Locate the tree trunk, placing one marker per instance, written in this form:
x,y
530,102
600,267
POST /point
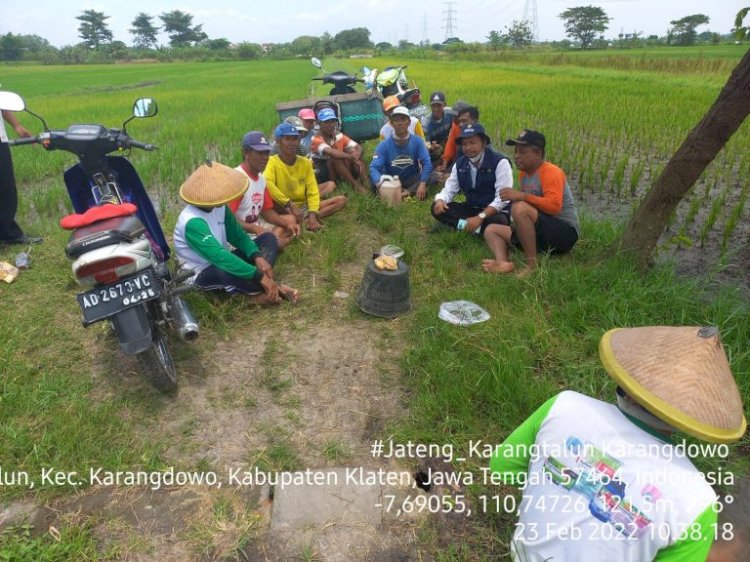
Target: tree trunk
x,y
684,168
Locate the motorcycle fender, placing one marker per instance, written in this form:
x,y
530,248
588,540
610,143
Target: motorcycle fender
x,y
133,329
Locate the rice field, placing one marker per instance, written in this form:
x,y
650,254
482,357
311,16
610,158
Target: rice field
x,y
611,129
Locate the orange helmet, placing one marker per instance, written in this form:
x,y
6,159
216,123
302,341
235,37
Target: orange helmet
x,y
390,102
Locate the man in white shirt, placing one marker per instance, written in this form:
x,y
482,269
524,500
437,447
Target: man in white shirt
x,y
480,173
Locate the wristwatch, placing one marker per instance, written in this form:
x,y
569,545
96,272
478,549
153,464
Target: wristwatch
x,y
482,215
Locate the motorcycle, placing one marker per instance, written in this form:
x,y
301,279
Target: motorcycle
x,y
117,245
392,82
343,82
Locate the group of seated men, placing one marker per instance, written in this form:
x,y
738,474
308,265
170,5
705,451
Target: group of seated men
x,y
260,206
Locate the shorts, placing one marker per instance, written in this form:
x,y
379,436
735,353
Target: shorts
x,y
320,167
553,235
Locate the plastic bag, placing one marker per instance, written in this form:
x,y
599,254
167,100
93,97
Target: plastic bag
x,y
462,313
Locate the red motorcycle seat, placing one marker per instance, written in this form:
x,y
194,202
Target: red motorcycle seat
x,y
95,214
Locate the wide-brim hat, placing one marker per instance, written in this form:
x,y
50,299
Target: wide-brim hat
x,y
213,184
679,374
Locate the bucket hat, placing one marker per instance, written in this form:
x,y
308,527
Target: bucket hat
x,y
213,184
473,130
679,374
297,122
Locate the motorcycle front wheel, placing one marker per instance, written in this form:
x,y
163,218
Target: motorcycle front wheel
x,y
157,364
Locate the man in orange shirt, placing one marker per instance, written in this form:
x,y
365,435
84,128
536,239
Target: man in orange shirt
x,y
543,209
339,155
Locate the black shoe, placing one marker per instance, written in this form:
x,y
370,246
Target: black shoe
x,y
22,240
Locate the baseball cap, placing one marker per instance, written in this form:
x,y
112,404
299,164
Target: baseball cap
x,y
400,110
326,114
255,140
528,137
306,113
472,130
437,97
286,130
297,122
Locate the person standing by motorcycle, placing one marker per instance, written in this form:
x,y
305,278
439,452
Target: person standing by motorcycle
x,y
255,209
205,229
437,125
292,182
389,104
404,155
338,155
10,232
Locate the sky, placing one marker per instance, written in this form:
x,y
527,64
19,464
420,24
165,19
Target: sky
x,y
388,20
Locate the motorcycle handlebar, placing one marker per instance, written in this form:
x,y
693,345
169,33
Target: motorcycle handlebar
x,y
22,141
142,146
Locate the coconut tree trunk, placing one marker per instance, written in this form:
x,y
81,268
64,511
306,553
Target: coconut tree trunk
x,y
684,168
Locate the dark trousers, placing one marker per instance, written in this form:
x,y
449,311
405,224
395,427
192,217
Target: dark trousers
x,y
9,229
458,211
213,278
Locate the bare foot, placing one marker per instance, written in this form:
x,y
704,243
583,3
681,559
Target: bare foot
x,y
262,299
526,271
292,295
494,266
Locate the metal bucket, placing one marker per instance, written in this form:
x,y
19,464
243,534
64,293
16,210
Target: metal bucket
x,y
385,293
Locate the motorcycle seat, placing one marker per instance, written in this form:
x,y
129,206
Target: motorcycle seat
x,y
94,214
103,233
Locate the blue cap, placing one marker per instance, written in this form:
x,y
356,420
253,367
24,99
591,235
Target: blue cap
x,y
286,130
255,140
326,114
472,130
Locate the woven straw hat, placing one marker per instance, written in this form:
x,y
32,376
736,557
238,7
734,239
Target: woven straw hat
x,y
213,184
679,374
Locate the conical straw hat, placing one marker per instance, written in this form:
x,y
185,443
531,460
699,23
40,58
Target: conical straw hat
x,y
213,184
679,374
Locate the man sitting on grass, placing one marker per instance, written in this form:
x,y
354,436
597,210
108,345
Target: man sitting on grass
x,y
292,183
255,209
543,209
404,155
338,156
205,229
480,173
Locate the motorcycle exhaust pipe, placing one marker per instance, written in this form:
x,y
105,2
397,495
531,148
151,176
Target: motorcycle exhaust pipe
x,y
184,320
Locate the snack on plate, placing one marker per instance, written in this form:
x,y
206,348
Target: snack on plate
x,y
8,273
386,262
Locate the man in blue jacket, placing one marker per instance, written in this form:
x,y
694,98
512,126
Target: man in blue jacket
x,y
403,155
480,173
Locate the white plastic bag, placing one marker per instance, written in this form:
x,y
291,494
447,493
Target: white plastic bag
x,y
462,313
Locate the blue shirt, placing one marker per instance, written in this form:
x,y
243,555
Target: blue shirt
x,y
404,161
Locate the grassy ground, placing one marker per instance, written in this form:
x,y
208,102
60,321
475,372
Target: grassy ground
x,y
63,405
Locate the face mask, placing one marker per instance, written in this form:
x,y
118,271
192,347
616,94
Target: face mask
x,y
475,160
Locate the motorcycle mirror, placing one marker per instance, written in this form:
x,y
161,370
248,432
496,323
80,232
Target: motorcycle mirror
x,y
145,107
315,61
10,101
365,70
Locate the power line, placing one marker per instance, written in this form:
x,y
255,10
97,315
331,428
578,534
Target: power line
x,y
450,15
532,20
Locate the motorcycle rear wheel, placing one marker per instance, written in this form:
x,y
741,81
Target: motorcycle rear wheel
x,y
157,364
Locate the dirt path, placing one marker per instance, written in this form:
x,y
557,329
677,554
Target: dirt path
x,y
292,389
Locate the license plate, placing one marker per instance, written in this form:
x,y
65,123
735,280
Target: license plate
x,y
103,302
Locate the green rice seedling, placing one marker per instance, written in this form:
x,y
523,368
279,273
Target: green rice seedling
x,y
619,174
713,214
734,218
635,176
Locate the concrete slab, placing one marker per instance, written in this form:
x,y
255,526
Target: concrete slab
x,y
309,502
